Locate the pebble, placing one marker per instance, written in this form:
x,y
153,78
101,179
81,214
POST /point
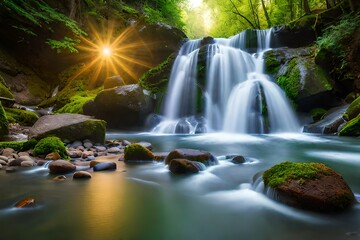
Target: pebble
x,y
88,143
114,150
90,158
23,154
53,156
10,169
81,175
76,144
4,158
28,163
125,142
100,148
86,154
75,154
59,178
2,162
26,202
105,166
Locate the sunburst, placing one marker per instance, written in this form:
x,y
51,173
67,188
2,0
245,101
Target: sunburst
x,y
106,55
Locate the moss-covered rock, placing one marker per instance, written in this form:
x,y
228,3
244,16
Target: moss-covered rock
x,y
193,155
5,90
184,166
76,104
136,152
353,110
70,127
4,124
311,186
352,128
23,117
156,79
317,113
49,145
20,145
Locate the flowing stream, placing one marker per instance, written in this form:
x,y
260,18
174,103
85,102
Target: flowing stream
x,y
234,95
148,202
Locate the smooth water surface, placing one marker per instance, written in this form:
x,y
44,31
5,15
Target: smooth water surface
x,y
148,202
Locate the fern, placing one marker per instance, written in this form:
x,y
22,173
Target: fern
x,y
66,44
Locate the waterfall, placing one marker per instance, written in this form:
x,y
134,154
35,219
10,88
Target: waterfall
x,y
234,95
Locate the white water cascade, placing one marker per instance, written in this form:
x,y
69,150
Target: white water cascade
x,y
236,95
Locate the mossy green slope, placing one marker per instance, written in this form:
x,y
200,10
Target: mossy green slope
x,y
50,144
23,117
353,110
285,171
4,89
4,124
352,128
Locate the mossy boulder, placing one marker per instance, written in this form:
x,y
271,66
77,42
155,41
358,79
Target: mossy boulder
x,y
136,152
69,127
4,124
317,113
352,128
353,110
50,145
193,155
5,93
21,116
76,104
311,186
184,166
124,107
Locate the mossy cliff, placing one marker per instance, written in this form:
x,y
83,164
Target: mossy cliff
x,y
4,130
23,117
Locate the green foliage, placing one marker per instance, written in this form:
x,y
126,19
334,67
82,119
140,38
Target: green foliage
x,y
272,64
286,171
335,36
4,89
19,146
156,79
4,124
30,144
66,44
50,144
137,152
23,117
352,128
353,110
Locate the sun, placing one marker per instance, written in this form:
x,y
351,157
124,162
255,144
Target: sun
x,y
106,54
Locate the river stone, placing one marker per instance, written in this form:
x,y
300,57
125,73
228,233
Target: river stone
x,y
4,158
61,166
81,175
146,144
184,166
194,155
59,178
28,163
10,169
76,144
75,153
238,159
327,192
16,162
3,162
1,166
122,107
26,202
7,152
100,148
53,156
105,166
113,81
23,154
69,127
87,143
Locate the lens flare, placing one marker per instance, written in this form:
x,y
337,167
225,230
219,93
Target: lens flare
x,y
106,53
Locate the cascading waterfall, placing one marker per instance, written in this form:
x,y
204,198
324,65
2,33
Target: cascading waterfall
x,y
236,95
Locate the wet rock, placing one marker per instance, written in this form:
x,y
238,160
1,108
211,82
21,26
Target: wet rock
x,y
2,162
41,162
182,127
16,162
100,148
23,154
53,156
114,150
28,163
311,186
88,144
10,169
136,152
59,178
184,166
146,144
25,203
76,144
113,81
1,166
81,175
61,166
105,166
7,152
90,158
125,143
68,126
75,153
4,158
238,159
87,154
192,154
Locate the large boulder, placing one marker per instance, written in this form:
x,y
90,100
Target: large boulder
x,y
124,107
69,127
304,82
193,155
311,186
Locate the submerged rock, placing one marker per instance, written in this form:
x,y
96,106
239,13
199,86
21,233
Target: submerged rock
x,y
10,169
26,202
238,159
184,166
105,166
311,186
69,127
193,155
81,175
61,166
59,178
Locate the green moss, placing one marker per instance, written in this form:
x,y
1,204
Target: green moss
x,y
4,89
317,113
23,117
353,110
76,104
137,152
17,146
307,21
272,64
50,144
4,124
286,171
352,128
156,79
290,81
30,144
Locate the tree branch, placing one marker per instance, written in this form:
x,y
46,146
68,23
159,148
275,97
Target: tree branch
x,y
237,12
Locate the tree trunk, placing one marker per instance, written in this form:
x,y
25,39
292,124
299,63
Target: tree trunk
x,y
291,9
266,14
306,7
352,8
